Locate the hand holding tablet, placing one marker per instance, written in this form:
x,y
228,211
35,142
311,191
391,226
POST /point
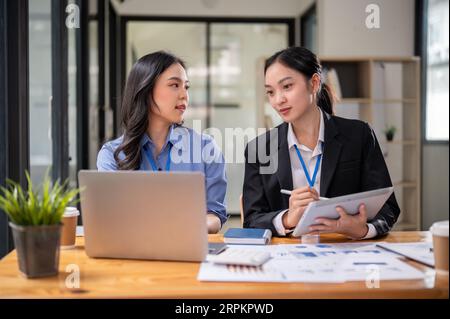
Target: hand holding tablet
x,y
373,201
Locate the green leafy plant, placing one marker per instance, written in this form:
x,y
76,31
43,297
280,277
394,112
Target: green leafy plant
x,y
36,206
390,132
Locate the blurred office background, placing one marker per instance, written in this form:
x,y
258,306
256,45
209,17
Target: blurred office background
x,y
61,86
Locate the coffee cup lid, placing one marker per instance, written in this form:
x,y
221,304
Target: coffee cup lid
x,y
440,229
71,212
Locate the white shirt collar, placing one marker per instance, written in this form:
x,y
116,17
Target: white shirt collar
x,y
292,139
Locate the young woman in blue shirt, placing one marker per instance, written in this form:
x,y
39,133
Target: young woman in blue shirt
x,y
154,102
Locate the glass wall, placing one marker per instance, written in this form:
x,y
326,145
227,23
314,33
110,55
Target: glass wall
x,y
187,40
40,89
238,52
437,71
93,94
72,103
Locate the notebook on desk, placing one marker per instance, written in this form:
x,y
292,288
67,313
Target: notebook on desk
x,y
250,236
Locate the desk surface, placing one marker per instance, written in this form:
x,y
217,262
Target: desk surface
x,y
108,278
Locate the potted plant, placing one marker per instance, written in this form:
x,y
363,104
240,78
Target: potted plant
x,y
35,219
390,132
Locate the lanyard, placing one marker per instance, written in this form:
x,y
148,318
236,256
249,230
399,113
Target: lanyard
x,y
308,178
149,155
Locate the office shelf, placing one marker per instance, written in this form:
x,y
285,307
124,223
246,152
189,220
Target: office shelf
x,y
394,101
353,101
402,142
385,91
406,184
405,226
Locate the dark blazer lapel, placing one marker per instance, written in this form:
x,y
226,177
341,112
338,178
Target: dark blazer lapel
x,y
284,172
331,153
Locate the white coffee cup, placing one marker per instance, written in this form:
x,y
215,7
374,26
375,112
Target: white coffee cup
x,y
439,231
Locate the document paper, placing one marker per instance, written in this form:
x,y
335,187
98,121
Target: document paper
x,y
316,263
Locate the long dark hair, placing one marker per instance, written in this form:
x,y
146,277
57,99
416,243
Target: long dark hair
x,y
137,99
304,61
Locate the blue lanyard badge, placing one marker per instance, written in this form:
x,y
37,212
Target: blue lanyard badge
x,y
308,178
149,155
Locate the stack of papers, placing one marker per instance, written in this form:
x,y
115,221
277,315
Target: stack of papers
x,y
320,263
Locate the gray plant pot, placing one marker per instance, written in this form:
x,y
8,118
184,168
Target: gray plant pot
x,y
389,136
37,249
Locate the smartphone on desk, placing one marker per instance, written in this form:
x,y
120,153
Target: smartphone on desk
x,y
216,248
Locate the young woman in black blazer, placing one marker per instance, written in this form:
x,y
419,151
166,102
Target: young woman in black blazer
x,y
316,153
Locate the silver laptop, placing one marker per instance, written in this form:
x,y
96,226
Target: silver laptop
x,y
144,215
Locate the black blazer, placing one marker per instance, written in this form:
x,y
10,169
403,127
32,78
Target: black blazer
x,y
352,162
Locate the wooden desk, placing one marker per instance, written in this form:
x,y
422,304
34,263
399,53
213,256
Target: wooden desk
x,y
108,278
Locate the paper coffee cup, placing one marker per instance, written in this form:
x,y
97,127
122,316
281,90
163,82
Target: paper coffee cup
x,y
68,232
310,239
439,231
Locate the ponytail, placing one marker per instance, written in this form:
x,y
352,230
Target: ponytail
x,y
326,99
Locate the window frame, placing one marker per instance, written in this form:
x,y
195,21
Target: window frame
x,y
14,98
421,49
14,103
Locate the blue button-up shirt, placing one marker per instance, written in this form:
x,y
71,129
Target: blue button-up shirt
x,y
189,151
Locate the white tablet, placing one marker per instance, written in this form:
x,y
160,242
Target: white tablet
x,y
373,200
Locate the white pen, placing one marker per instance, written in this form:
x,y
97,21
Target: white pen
x,y
286,192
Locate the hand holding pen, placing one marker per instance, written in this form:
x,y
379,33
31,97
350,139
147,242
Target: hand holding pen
x,y
298,201
287,192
